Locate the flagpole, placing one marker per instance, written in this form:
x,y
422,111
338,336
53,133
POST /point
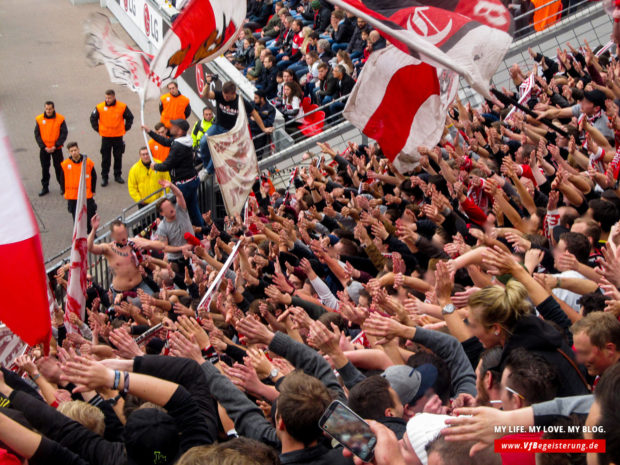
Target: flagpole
x,y
146,141
408,42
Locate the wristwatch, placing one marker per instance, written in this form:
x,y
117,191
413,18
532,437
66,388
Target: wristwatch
x,y
274,372
448,309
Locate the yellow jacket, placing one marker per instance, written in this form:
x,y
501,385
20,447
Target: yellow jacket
x,y
143,181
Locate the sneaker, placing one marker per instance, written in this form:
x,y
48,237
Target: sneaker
x,y
119,179
44,191
202,175
104,182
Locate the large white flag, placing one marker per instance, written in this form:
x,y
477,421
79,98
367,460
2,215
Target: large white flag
x,y
401,103
76,286
126,66
234,159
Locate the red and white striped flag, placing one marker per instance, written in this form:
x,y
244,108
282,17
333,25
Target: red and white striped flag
x,y
401,103
24,307
76,286
469,37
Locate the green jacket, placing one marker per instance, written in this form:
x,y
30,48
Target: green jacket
x,y
200,129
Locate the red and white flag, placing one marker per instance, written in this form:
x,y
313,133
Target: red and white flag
x,y
24,307
202,32
469,37
401,103
76,286
234,159
126,66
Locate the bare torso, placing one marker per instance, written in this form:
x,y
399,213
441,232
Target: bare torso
x,y
122,261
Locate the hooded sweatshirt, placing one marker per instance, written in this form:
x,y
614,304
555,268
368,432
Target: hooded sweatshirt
x,y
180,161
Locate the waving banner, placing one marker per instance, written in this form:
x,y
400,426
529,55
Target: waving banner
x,y
76,286
234,159
126,66
469,37
24,308
203,31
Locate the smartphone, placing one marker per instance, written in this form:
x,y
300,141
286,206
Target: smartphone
x,y
346,427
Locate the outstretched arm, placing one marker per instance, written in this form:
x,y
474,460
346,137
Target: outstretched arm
x,y
97,249
176,191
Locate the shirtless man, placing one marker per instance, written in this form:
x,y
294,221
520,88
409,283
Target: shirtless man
x,y
122,257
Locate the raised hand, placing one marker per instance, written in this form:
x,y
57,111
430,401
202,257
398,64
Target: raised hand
x,y
126,345
188,326
180,346
254,331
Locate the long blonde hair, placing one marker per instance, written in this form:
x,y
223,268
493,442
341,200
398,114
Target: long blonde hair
x,y
498,305
307,30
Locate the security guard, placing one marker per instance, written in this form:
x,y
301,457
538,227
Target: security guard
x,y
143,180
160,152
50,132
111,119
70,181
173,105
201,127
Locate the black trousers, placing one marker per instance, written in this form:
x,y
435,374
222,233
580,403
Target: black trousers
x,y
91,209
46,160
111,145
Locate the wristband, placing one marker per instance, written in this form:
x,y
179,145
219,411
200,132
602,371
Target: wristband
x,y
125,384
35,377
117,378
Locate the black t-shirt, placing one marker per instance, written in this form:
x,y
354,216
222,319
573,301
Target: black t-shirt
x,y
227,111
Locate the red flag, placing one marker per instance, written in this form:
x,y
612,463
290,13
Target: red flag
x,y
401,103
202,32
469,37
24,307
76,286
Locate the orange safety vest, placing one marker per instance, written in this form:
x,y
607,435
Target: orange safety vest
x,y
547,15
72,171
50,128
173,108
159,152
111,121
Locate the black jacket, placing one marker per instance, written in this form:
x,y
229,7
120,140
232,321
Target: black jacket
x,y
180,161
344,86
268,83
322,19
328,86
196,427
357,44
344,32
539,337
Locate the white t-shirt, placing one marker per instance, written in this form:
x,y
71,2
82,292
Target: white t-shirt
x,y
567,296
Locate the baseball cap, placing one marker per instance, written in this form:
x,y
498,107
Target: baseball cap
x,y
423,429
597,97
181,124
411,383
151,438
353,290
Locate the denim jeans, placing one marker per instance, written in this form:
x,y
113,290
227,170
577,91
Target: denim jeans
x,y
190,194
205,153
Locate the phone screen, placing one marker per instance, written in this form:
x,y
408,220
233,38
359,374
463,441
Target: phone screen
x,y
342,424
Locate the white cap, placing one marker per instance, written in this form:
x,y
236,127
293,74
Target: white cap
x,y
422,429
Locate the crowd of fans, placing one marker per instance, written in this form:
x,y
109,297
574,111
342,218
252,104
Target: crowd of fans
x,y
480,290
